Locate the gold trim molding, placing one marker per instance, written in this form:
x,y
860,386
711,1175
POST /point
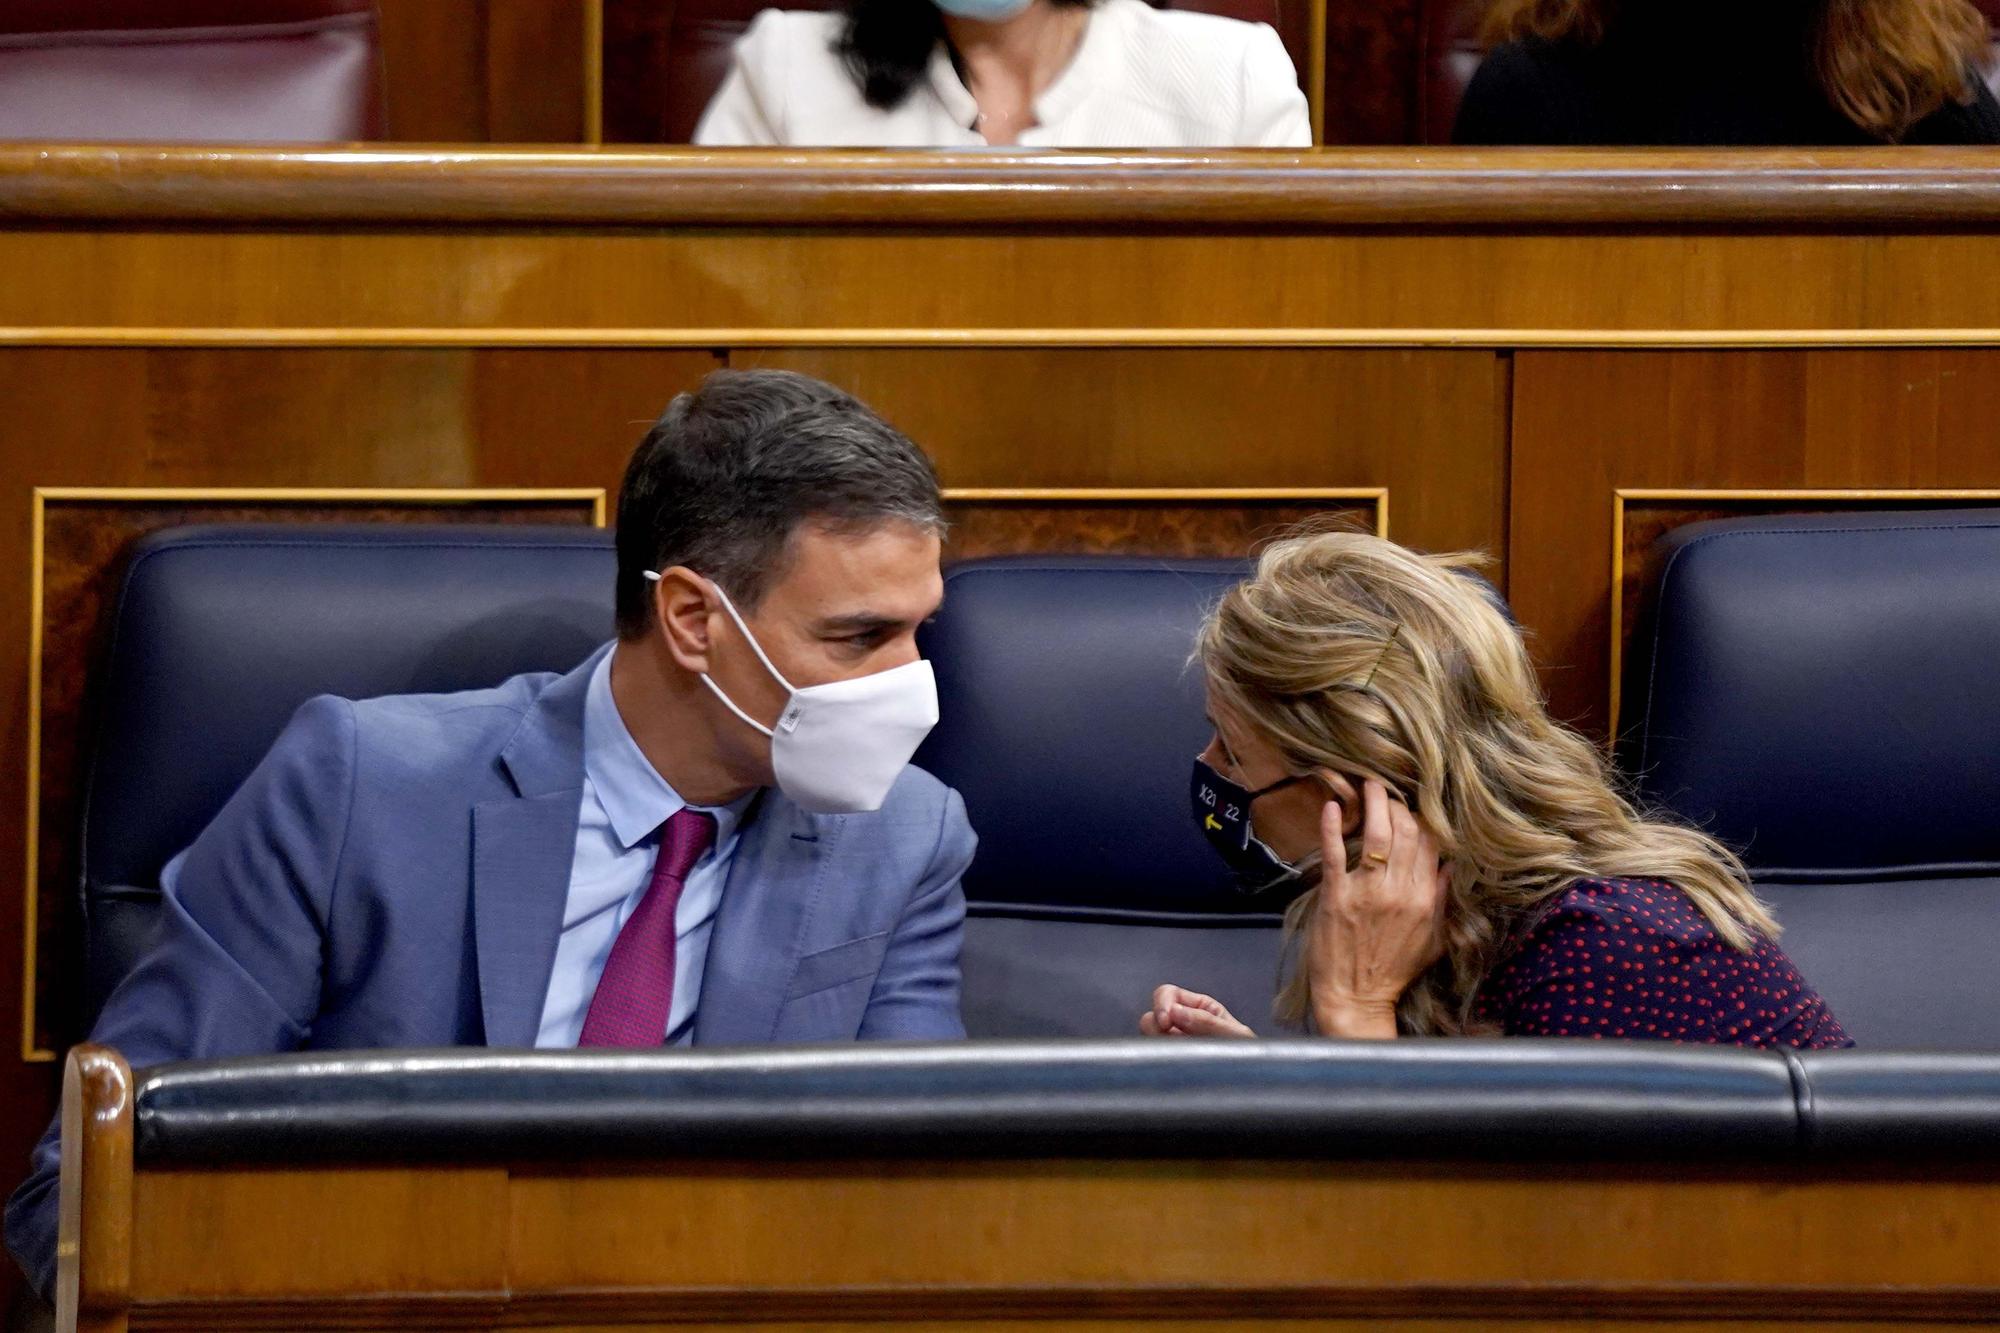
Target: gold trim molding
x,y
1621,498
713,339
1378,496
593,72
595,496
1315,70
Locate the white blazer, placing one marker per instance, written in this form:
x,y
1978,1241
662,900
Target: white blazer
x,y
1141,78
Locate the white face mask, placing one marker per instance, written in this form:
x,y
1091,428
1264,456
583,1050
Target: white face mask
x,y
838,748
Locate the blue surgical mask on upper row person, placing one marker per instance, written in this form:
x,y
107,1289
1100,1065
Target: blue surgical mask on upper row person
x,y
985,11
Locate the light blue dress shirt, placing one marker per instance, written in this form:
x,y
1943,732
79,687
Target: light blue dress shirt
x,y
625,800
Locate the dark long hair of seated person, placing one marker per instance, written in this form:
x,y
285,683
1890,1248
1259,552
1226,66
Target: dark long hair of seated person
x,y
1731,72
888,44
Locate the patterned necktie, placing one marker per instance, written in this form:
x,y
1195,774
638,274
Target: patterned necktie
x,y
635,996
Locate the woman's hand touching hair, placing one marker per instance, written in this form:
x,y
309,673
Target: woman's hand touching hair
x,y
1376,928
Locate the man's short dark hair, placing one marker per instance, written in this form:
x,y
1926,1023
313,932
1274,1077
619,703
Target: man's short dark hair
x,y
730,471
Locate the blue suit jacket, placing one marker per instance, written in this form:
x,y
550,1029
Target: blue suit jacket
x,y
394,873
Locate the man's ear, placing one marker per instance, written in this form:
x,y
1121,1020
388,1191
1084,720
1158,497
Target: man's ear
x,y
681,610
1342,789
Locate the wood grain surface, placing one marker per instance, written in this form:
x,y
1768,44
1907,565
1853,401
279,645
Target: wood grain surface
x,y
1784,423
1068,1244
1910,189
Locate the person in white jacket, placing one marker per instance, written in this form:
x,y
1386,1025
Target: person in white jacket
x,y
1030,73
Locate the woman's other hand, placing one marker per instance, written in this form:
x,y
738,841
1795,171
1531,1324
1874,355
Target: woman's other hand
x,y
1185,1013
1377,928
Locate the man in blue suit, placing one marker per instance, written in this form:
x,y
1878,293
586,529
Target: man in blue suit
x,y
706,833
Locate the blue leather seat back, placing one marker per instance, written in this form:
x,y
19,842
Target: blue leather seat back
x,y
222,631
1819,692
1071,719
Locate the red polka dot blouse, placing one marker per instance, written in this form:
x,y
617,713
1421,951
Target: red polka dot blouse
x,y
1636,958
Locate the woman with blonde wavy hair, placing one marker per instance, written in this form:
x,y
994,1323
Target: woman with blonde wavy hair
x,y
1771,72
1380,735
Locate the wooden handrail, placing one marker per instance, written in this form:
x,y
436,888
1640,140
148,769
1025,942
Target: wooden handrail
x,y
1889,188
94,1245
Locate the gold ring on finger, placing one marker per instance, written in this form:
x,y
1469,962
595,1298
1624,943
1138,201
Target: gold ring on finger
x,y
1375,858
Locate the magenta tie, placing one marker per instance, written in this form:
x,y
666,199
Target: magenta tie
x,y
635,996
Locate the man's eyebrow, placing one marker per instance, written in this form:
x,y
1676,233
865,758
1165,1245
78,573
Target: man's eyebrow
x,y
858,622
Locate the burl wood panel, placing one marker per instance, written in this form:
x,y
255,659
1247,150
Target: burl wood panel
x,y
86,547
484,71
1163,527
1428,425
1587,424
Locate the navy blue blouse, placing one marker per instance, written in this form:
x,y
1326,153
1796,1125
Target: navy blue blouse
x,y
1636,958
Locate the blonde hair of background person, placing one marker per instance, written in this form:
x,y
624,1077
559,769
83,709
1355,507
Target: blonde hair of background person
x,y
1884,64
1401,689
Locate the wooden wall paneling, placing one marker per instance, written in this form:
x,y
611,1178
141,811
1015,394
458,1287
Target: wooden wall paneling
x,y
815,1244
330,416
488,71
1372,50
1421,1228
1429,426
1589,424
1168,523
364,1228
729,287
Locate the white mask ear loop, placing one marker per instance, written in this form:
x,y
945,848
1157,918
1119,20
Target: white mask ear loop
x,y
653,576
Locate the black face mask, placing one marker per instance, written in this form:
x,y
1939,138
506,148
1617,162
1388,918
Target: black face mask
x,y
1222,808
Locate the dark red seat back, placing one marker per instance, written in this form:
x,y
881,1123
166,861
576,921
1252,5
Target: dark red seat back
x,y
1450,51
245,71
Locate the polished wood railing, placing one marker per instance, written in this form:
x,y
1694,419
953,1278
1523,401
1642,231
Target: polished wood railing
x,y
1183,1235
